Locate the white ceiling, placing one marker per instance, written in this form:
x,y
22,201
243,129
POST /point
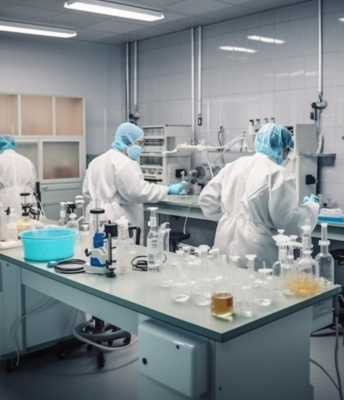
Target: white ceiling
x,y
179,15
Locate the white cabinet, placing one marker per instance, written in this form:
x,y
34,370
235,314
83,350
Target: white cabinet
x,y
50,131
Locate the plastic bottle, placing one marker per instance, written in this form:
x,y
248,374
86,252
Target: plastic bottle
x,y
153,243
11,227
325,261
122,250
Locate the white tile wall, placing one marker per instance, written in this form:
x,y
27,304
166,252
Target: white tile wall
x,y
278,80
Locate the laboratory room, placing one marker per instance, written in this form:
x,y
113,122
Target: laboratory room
x,y
171,199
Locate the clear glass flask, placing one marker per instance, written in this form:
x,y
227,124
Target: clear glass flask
x,y
278,268
325,261
234,278
221,296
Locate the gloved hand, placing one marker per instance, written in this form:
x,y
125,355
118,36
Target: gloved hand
x,y
176,188
313,197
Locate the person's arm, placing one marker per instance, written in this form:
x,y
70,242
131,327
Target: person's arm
x,y
134,189
210,197
285,212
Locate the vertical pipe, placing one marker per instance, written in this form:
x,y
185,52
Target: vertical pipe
x,y
199,116
135,77
193,85
320,76
127,81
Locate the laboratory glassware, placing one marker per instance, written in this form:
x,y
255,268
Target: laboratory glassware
x,y
153,243
263,287
305,281
202,287
221,296
122,249
325,261
72,222
166,267
234,278
11,227
279,266
247,287
180,285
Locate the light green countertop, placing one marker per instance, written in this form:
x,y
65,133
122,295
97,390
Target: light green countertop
x,y
140,292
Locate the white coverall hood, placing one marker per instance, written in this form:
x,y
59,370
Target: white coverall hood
x,y
252,198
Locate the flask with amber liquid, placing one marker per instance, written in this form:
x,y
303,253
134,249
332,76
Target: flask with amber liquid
x,y
221,296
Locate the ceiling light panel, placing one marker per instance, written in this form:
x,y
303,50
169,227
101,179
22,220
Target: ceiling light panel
x,y
114,10
266,39
30,29
238,49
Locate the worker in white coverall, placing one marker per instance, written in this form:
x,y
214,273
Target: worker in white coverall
x,y
17,175
254,196
116,181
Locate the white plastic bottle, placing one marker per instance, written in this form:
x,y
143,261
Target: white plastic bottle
x,y
11,227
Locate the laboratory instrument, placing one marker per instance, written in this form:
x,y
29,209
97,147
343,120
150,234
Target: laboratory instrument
x,y
158,167
325,261
221,296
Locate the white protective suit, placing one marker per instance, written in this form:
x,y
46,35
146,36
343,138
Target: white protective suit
x,y
17,175
121,189
252,198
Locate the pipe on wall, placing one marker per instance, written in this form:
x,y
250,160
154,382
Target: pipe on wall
x,y
127,97
136,107
199,114
193,84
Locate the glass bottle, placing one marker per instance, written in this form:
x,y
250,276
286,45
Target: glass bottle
x,y
153,243
122,249
180,285
325,261
306,281
202,288
263,287
221,296
278,268
234,278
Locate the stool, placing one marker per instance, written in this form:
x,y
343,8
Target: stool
x,y
177,237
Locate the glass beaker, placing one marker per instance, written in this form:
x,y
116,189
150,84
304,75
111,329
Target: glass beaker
x,y
263,287
246,299
202,287
221,296
180,285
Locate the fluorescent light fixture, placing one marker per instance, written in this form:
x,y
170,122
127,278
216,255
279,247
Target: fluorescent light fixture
x,y
341,19
29,29
114,9
266,39
240,49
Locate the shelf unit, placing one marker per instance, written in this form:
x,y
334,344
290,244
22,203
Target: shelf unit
x,y
50,131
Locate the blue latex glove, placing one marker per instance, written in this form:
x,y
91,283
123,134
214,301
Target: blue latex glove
x,y
305,199
314,198
176,188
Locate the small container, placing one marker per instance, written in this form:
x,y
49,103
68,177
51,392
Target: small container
x,y
263,287
221,296
180,286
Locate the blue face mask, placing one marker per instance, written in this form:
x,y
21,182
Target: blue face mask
x,y
134,152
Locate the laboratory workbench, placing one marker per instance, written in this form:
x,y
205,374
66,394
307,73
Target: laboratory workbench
x,y
187,206
274,343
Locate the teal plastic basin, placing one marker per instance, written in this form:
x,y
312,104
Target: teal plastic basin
x,y
50,244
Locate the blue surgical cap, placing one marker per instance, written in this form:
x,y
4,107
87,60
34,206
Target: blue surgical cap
x,y
272,139
7,142
126,135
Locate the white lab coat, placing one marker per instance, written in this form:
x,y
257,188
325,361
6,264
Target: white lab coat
x,y
121,189
17,175
252,198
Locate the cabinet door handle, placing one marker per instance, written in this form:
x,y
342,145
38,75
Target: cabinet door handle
x,y
45,187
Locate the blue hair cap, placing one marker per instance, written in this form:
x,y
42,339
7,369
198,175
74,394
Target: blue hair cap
x,y
7,142
126,135
272,139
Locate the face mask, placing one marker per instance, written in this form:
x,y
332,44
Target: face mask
x,y
134,152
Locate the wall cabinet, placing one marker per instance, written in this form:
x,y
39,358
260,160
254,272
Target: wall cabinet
x,y
50,131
